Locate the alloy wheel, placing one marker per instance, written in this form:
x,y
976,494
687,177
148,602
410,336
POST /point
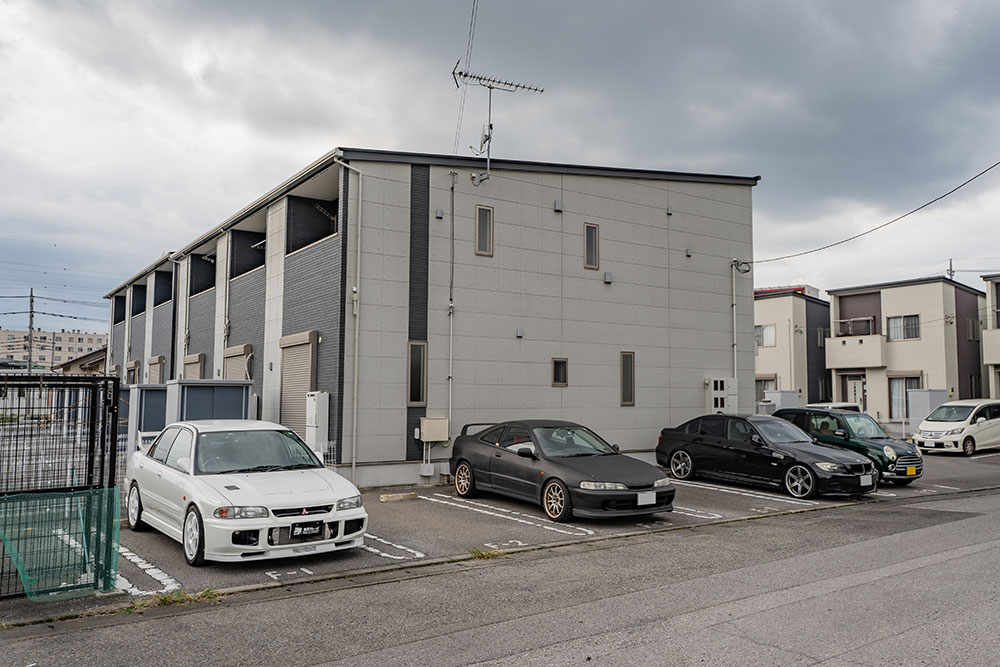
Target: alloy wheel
x,y
555,500
133,506
463,479
192,536
680,464
799,481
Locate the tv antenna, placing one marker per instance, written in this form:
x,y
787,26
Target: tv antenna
x,y
491,84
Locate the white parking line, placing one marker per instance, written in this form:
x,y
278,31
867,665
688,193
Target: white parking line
x,y
884,494
502,513
414,552
697,514
986,456
530,517
758,495
121,583
942,486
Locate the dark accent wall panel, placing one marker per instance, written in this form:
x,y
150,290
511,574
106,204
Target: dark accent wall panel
x,y
307,223
817,319
118,345
163,288
969,358
163,322
246,320
862,305
243,256
337,403
118,309
201,276
420,193
137,338
313,299
138,299
201,326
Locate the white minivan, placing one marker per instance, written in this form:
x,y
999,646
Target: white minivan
x,y
965,425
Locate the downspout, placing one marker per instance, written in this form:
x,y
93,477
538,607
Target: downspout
x,y
356,300
451,300
733,271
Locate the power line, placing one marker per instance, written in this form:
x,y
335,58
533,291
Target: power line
x,y
884,224
49,266
71,247
89,304
69,317
465,86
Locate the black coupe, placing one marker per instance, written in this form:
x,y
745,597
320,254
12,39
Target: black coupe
x,y
765,450
566,467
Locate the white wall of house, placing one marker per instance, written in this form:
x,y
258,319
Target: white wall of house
x,y
785,361
274,263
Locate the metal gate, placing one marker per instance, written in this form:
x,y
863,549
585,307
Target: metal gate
x,y
59,506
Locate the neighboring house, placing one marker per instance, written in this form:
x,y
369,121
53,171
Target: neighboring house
x,y
49,349
790,328
598,295
911,334
88,364
991,334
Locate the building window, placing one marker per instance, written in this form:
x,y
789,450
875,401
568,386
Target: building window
x,y
975,386
825,390
972,329
560,373
821,337
416,377
898,407
484,231
591,246
763,335
767,384
903,327
628,378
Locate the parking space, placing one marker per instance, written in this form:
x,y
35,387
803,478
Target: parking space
x,y
432,522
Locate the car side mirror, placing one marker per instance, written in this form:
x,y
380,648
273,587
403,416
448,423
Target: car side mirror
x,y
184,463
980,420
756,439
616,448
840,433
526,452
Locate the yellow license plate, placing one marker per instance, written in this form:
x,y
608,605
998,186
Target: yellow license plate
x,y
911,470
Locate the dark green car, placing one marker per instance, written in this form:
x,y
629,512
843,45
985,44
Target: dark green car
x,y
896,461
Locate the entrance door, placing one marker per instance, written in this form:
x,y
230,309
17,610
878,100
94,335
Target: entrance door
x,y
856,392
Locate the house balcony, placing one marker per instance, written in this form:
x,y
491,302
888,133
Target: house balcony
x,y
991,346
855,352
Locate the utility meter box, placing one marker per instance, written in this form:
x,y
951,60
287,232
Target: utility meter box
x,y
188,400
148,415
434,429
782,398
317,421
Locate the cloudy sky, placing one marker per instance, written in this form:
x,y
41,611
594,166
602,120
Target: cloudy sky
x,y
129,128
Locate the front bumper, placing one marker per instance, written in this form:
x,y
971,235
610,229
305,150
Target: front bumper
x,y
597,504
833,484
339,530
937,444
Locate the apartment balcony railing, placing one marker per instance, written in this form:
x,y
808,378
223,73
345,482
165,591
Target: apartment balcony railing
x,y
856,326
855,351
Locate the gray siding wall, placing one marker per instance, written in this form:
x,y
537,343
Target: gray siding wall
x,y
201,326
163,322
817,319
314,299
420,192
246,320
969,358
137,342
118,346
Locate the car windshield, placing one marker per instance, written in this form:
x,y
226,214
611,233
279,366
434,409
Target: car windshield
x,y
863,426
950,413
251,451
567,441
779,431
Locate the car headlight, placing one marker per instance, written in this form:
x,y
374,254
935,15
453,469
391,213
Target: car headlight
x,y
230,512
349,503
828,466
602,486
955,431
663,481
889,452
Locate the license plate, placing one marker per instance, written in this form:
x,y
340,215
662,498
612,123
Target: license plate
x,y
866,480
306,529
645,498
911,470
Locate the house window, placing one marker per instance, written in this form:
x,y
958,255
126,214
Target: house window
x,y
903,327
767,384
972,329
484,231
591,246
628,378
975,386
821,337
416,377
560,373
763,335
898,408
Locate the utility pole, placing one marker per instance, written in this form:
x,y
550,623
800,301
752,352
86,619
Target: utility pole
x,y
31,326
951,270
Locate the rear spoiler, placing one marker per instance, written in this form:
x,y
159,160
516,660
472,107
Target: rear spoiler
x,y
465,429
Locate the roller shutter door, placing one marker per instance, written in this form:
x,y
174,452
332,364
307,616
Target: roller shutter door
x,y
234,368
296,381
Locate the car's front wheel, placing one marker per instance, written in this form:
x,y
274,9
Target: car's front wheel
x,y
465,482
556,502
194,538
681,465
134,508
969,446
800,481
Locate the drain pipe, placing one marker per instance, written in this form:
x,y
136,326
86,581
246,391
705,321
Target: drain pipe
x,y
356,301
738,266
451,302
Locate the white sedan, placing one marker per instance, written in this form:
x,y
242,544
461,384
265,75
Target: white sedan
x,y
231,490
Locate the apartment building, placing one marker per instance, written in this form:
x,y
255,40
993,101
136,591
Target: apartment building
x,y
991,334
912,334
411,286
49,349
790,329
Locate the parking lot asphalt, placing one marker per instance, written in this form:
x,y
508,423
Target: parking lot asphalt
x,y
431,523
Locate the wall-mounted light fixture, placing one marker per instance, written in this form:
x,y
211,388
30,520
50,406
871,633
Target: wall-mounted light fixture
x,y
519,332
608,278
670,211
557,206
439,213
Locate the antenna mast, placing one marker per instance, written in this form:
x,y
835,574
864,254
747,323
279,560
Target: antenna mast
x,y
490,83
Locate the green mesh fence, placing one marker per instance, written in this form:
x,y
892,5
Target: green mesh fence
x,y
62,545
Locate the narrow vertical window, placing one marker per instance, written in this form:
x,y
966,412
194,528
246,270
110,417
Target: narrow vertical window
x,y
592,246
560,373
484,231
416,376
628,378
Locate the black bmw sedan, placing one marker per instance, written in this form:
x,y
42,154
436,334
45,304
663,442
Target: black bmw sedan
x,y
566,467
763,450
